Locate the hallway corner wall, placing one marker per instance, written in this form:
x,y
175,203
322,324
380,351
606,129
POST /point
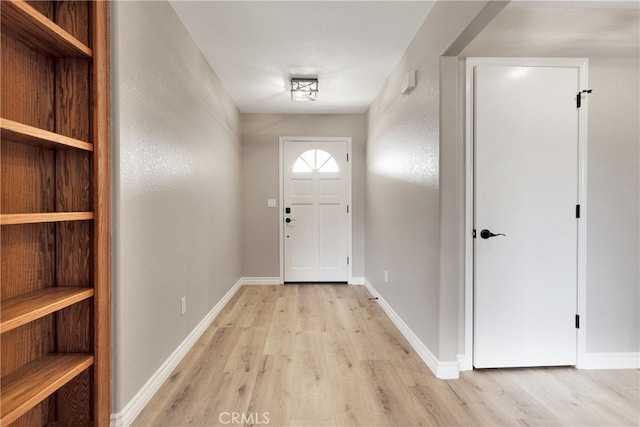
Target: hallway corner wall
x,y
406,175
176,191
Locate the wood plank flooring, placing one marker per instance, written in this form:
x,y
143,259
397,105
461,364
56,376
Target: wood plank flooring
x,y
326,355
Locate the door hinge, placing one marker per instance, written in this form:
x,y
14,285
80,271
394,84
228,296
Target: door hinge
x,y
347,157
474,233
347,208
347,260
579,97
577,321
577,211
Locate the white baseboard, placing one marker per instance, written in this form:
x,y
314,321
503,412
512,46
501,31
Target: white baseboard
x,y
260,281
464,363
442,370
276,281
590,361
132,409
610,361
356,280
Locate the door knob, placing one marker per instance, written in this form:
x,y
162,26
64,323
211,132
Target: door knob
x,y
486,234
288,220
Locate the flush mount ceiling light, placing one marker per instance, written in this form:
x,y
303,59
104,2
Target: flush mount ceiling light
x,y
304,89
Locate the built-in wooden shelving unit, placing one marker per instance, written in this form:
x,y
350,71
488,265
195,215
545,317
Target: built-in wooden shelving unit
x,y
54,211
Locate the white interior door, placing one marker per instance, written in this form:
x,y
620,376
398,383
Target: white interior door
x,y
526,187
316,187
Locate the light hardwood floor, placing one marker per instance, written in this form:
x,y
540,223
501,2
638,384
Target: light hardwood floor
x,y
326,355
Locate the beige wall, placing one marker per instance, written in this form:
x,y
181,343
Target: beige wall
x,y
260,164
610,40
176,193
405,198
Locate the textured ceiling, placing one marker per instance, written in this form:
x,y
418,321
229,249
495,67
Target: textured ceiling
x,y
584,32
255,47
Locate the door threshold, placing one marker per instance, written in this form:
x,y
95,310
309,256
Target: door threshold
x,y
316,283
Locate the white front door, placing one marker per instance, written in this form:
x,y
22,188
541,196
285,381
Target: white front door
x,y
316,188
526,191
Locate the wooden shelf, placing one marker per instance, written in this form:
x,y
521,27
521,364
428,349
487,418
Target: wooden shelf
x,y
18,132
37,31
34,218
30,385
26,308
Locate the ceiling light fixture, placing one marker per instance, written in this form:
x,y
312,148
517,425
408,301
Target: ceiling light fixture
x,y
304,89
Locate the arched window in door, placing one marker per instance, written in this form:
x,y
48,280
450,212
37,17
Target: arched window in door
x,y
313,160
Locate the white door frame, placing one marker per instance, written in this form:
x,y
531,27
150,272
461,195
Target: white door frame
x,y
581,65
319,140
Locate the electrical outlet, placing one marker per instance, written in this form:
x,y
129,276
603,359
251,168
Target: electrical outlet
x,y
183,305
386,276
